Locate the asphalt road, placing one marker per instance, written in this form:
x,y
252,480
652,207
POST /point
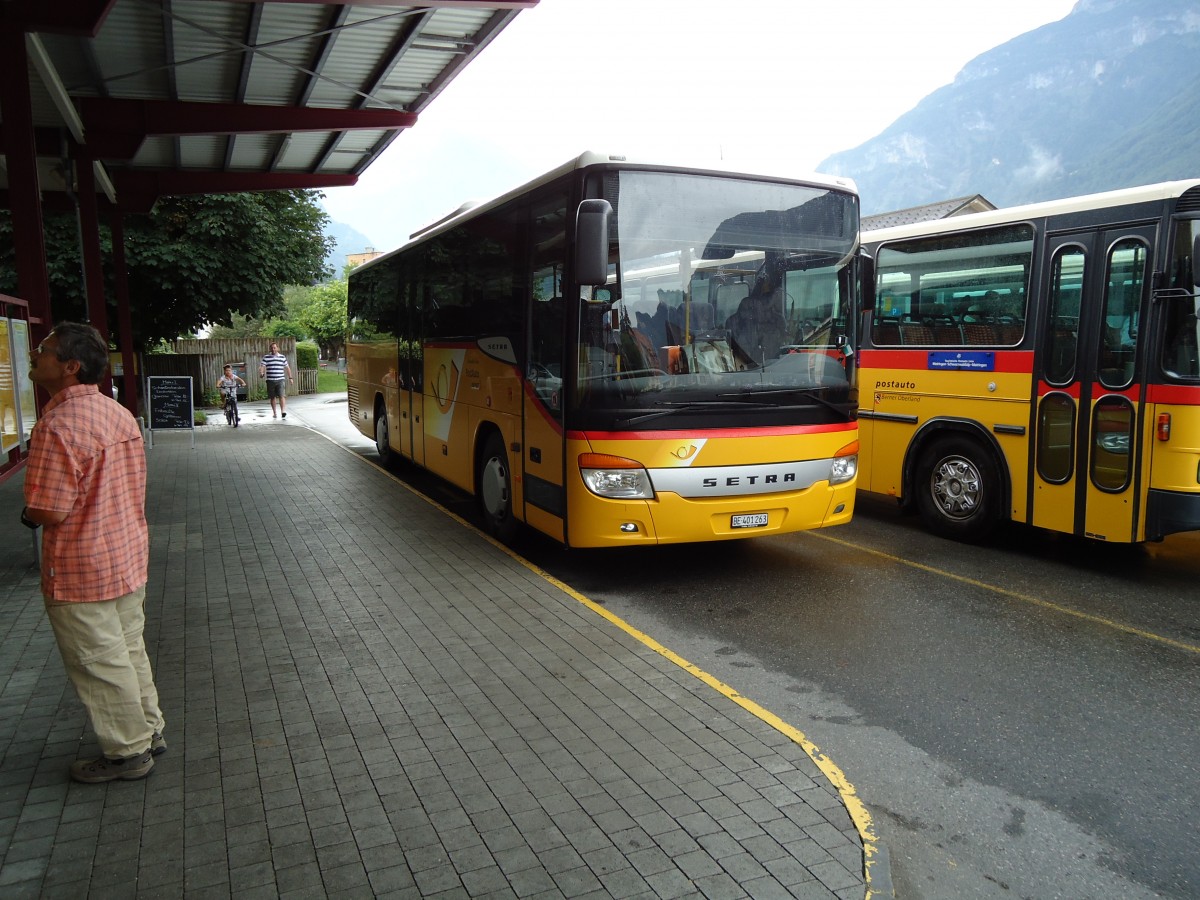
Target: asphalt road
x,y
1019,719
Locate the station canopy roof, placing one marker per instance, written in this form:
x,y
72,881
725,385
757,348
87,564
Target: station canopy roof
x,y
210,96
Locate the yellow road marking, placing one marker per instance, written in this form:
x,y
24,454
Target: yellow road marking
x,y
854,806
1015,595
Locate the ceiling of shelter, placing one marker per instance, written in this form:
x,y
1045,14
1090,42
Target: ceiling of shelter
x,y
210,96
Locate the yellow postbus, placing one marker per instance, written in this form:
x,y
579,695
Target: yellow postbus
x,y
1038,364
624,353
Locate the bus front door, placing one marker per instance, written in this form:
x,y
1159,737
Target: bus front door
x,y
1086,437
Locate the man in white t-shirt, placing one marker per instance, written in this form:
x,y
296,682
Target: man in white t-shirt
x,y
274,368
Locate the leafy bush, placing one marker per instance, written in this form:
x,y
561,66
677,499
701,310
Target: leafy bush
x,y
306,356
199,417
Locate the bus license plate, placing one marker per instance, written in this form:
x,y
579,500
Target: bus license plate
x,y
749,520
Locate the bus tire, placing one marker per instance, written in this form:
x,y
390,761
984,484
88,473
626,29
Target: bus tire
x,y
959,490
383,439
494,490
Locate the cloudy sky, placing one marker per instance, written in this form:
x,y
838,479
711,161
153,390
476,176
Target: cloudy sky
x,y
776,83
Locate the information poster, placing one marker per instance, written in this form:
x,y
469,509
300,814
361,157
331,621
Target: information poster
x,y
26,402
9,423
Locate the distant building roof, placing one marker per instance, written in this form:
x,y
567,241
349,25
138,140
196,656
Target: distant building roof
x,y
357,259
929,212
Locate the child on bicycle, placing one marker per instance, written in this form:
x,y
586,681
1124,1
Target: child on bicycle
x,y
228,385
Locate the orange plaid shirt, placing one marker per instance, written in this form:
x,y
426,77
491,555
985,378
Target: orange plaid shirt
x,y
86,458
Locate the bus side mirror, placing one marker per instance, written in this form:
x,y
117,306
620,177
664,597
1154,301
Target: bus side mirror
x,y
1196,261
591,241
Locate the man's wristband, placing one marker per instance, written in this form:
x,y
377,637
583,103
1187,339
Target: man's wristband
x,y
25,520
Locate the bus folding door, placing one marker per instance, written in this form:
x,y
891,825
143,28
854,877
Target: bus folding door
x,y
1088,445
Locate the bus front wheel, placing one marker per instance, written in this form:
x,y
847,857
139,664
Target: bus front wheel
x,y
959,490
494,483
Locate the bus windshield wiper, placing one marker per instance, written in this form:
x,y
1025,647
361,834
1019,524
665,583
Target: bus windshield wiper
x,y
811,393
687,406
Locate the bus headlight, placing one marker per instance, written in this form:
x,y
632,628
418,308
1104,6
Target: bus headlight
x,y
615,477
844,465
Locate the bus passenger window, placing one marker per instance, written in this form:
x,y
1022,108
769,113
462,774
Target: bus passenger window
x,y
1122,302
956,290
1056,438
885,332
1112,441
1062,341
547,308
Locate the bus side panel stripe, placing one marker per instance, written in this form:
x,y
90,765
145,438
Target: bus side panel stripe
x,y
1008,361
1071,390
1181,394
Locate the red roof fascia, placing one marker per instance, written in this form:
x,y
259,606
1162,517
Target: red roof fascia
x,y
137,190
166,117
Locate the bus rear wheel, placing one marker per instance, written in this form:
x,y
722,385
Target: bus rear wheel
x,y
494,489
383,437
959,490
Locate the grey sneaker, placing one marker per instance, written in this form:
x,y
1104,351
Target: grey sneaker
x,y
95,771
158,744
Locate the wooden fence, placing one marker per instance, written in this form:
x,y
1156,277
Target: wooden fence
x,y
205,361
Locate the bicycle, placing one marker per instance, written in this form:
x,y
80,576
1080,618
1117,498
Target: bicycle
x,y
231,407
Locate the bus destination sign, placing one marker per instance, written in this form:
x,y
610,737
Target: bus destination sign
x,y
973,360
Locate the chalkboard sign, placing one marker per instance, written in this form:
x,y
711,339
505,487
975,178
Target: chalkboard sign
x,y
171,402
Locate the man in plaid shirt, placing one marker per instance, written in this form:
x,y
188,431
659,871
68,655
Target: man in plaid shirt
x,y
85,484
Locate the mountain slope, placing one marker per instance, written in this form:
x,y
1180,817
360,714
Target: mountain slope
x,y
346,240
1107,97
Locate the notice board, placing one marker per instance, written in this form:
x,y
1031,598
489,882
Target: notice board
x,y
10,421
171,402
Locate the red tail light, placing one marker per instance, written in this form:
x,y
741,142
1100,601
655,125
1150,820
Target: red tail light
x,y
1162,430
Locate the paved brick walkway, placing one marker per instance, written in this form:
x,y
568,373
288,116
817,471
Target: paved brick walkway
x,y
366,698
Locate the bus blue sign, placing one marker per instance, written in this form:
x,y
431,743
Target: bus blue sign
x,y
970,360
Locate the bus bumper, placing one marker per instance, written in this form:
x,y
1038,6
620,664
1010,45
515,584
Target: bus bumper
x,y
671,519
1170,512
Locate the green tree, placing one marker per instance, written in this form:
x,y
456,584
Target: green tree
x,y
324,317
295,298
239,327
278,328
193,261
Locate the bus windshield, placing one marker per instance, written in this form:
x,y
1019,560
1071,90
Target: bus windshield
x,y
723,293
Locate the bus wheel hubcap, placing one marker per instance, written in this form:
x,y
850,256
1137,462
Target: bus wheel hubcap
x,y
495,487
956,487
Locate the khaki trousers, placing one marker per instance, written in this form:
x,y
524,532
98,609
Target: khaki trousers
x,y
105,658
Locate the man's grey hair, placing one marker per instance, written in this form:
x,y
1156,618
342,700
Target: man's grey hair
x,y
85,345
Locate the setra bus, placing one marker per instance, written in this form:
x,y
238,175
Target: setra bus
x,y
1039,364
623,353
